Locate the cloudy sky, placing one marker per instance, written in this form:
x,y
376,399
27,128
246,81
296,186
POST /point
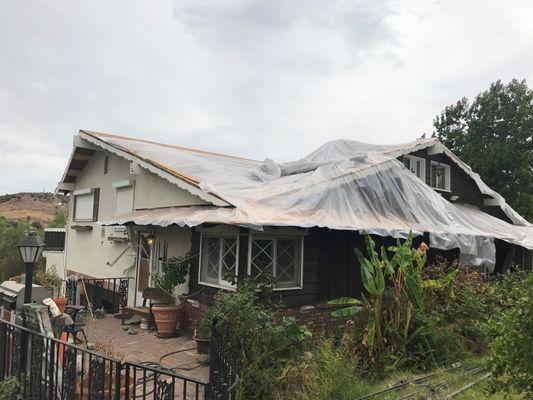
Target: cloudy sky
x,y
258,78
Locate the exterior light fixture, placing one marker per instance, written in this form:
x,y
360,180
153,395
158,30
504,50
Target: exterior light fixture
x,y
150,239
30,248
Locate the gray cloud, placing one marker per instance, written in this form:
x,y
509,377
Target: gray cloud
x,y
254,78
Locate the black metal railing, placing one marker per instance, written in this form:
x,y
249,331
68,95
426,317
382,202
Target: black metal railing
x,y
111,294
223,378
48,368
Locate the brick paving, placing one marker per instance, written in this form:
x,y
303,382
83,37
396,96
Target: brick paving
x,y
146,346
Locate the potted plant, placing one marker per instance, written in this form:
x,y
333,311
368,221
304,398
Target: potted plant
x,y
174,272
202,333
51,281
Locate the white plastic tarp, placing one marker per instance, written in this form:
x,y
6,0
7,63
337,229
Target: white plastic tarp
x,y
334,187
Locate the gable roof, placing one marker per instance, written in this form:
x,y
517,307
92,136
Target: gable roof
x,y
342,185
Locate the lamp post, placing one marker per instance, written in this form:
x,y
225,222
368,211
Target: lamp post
x,y
30,248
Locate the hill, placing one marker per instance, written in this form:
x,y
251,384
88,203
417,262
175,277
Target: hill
x,y
40,207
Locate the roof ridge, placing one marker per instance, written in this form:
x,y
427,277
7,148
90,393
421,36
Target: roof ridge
x,y
98,134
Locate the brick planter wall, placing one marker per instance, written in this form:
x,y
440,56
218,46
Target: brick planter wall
x,y
317,318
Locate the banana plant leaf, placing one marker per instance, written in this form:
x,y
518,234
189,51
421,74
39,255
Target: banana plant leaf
x,y
346,312
341,301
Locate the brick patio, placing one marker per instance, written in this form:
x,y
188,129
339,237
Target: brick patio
x,y
145,346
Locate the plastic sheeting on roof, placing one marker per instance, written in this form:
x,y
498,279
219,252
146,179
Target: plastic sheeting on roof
x,y
369,191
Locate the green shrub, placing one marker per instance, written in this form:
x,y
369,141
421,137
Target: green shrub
x,y
324,374
399,331
174,272
261,344
511,335
9,389
49,280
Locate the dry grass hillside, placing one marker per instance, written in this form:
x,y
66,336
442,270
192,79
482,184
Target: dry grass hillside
x,y
40,207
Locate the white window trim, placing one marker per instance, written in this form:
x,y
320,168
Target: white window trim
x,y
423,160
120,184
274,237
447,182
218,235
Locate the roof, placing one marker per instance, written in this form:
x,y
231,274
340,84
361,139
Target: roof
x,y
342,185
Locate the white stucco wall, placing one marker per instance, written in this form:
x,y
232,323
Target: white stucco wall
x,y
88,252
56,260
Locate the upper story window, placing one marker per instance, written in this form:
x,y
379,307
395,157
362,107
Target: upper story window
x,y
277,259
123,197
219,259
86,203
416,165
440,176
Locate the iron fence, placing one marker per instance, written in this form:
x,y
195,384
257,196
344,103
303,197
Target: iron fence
x,y
223,378
48,368
111,294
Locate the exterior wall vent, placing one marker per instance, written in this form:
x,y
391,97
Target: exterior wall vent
x,y
106,164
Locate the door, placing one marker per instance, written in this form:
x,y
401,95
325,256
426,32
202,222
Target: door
x,y
144,263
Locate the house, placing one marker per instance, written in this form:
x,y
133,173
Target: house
x,y
135,203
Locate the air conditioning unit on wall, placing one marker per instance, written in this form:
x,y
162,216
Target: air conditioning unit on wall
x,y
117,233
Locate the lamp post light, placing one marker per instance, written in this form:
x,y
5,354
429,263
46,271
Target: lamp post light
x,y
30,248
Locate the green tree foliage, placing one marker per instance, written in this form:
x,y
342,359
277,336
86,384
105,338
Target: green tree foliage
x,y
10,234
494,135
59,221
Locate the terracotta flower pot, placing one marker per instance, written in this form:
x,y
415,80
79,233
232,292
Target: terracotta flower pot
x,y
166,320
17,279
61,303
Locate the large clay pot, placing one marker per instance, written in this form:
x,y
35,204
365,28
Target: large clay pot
x,y
166,320
61,303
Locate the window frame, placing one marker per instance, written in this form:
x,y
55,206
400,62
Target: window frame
x,y
95,193
447,176
423,166
272,236
221,282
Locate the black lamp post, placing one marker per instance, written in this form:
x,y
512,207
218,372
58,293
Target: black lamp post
x,y
30,248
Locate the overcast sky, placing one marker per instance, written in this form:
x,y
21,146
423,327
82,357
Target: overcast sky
x,y
253,78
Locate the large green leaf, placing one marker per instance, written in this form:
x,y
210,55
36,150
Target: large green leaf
x,y
346,312
367,273
344,301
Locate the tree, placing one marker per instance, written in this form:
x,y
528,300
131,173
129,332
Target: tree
x,y
494,135
10,234
59,221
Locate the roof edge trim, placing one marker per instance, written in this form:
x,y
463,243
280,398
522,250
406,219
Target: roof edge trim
x,y
157,169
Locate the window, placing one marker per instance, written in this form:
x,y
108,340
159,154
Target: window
x,y
86,204
416,165
276,259
123,197
218,259
440,176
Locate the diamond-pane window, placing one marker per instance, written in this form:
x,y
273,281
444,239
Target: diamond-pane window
x,y
277,259
219,259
